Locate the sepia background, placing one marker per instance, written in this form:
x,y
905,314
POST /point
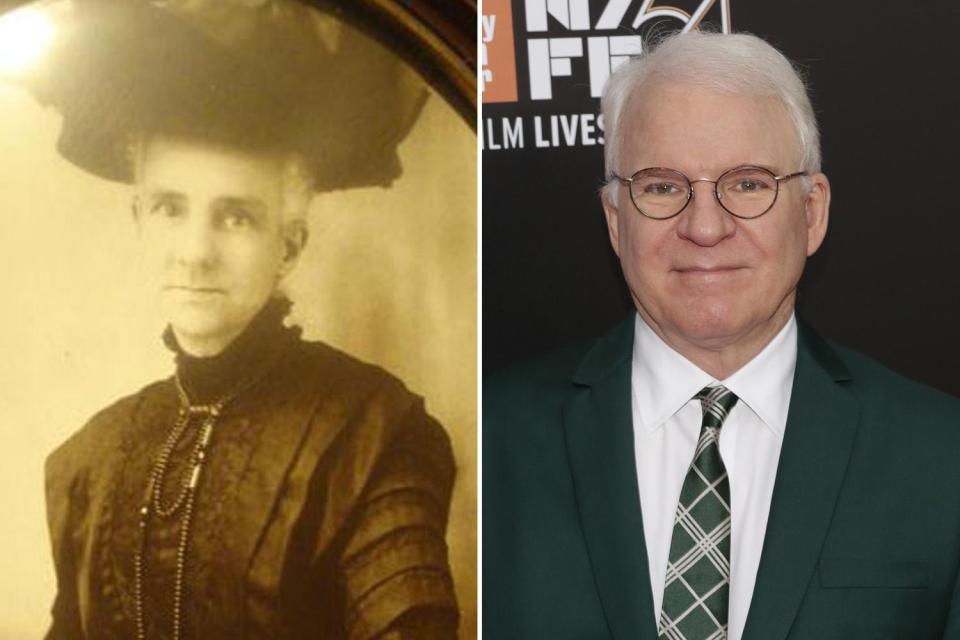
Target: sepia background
x,y
389,275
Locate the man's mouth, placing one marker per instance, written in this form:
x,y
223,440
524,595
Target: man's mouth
x,y
708,269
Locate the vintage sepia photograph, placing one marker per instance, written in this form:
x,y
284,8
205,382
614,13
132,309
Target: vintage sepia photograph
x,y
239,244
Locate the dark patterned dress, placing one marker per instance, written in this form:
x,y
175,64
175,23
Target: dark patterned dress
x,y
320,511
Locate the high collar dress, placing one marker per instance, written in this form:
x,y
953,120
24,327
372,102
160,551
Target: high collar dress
x,y
320,511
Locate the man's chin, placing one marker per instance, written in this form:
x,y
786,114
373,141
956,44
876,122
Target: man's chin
x,y
718,330
712,328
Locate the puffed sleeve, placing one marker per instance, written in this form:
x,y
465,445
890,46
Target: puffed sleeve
x,y
394,566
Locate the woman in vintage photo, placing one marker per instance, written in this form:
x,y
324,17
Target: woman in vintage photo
x,y
272,487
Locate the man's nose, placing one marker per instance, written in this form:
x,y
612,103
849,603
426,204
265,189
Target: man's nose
x,y
704,221
195,242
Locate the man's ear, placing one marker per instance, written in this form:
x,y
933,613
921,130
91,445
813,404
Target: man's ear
x,y
817,211
612,214
295,236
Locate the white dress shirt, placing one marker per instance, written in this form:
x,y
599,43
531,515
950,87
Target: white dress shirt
x,y
666,426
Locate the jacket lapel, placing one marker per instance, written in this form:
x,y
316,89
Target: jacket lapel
x,y
599,431
818,440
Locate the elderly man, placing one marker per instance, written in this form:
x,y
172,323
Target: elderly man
x,y
712,468
271,487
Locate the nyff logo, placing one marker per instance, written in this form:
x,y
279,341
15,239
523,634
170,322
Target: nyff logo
x,y
552,56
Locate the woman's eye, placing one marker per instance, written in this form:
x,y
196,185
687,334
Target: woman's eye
x,y
237,219
165,209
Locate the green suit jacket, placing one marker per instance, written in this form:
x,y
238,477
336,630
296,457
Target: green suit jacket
x,y
863,537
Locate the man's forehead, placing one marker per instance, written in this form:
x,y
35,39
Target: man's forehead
x,y
669,122
660,101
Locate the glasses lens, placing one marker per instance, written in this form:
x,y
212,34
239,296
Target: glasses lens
x,y
747,192
659,193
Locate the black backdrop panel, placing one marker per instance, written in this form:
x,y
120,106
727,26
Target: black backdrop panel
x,y
885,83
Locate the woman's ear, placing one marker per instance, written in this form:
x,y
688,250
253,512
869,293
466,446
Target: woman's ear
x,y
295,236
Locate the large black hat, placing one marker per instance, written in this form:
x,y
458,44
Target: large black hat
x,y
259,73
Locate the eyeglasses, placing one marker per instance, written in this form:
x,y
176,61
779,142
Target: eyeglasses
x,y
744,192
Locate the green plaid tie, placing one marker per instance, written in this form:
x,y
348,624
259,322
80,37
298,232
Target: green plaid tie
x,y
696,592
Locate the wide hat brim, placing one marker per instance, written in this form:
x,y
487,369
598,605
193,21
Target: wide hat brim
x,y
274,74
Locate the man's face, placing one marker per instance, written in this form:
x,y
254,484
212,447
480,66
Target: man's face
x,y
705,278
211,224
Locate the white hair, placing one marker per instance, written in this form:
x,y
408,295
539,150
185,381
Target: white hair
x,y
739,63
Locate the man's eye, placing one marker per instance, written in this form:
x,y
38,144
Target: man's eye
x,y
662,189
750,185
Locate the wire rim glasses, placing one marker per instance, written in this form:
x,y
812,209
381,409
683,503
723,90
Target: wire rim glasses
x,y
745,191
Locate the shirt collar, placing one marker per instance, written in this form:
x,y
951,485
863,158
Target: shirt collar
x,y
664,381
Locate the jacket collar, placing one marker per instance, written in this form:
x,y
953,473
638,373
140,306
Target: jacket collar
x,y
821,429
599,431
607,355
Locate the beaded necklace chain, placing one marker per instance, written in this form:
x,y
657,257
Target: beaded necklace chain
x,y
184,501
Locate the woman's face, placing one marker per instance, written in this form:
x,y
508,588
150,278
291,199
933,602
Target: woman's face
x,y
210,217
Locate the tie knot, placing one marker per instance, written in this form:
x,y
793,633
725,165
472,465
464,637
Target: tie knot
x,y
716,403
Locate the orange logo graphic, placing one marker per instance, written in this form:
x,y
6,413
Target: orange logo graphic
x,y
498,75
